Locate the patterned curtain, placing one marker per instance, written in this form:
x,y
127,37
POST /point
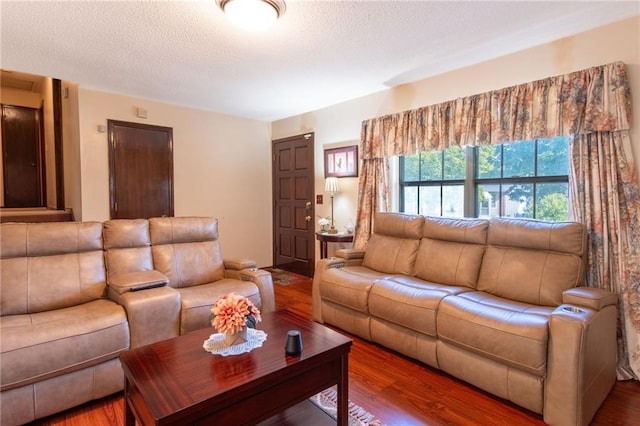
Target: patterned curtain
x,y
594,107
373,196
608,202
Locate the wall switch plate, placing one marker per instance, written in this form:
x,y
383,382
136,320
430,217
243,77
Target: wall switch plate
x,y
319,199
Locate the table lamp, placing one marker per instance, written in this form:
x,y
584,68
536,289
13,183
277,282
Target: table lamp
x,y
331,186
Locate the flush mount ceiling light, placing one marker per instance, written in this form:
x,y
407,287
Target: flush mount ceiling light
x,y
252,14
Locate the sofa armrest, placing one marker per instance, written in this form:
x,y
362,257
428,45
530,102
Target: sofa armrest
x,y
321,266
350,253
153,314
264,281
594,298
139,280
239,264
581,362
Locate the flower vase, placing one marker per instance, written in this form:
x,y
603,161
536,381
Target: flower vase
x,y
236,338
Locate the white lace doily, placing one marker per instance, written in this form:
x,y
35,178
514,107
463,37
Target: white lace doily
x,y
215,343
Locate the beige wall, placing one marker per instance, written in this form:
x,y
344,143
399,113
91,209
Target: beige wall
x,y
222,167
49,142
71,148
336,124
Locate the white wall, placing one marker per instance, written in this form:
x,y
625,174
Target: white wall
x,y
339,123
222,167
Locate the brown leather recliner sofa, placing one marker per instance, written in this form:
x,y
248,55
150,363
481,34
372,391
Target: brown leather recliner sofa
x,y
75,295
499,303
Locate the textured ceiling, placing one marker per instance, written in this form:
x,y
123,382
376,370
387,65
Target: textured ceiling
x,y
318,54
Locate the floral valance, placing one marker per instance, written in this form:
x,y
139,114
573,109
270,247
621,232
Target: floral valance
x,y
595,99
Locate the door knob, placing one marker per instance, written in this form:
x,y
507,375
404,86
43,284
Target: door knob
x,y
308,204
308,218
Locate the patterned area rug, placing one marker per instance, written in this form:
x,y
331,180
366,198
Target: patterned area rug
x,y
282,277
327,401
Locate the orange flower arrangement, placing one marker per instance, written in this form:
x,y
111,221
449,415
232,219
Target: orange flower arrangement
x,y
231,313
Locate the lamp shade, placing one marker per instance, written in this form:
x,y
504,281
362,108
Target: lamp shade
x,y
331,185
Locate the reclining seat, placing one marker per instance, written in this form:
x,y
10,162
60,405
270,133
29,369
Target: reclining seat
x,y
526,334
404,308
187,251
57,330
152,307
341,290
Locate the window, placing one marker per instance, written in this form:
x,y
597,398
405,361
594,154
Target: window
x,y
520,179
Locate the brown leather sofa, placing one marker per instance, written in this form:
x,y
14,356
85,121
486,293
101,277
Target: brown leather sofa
x,y
499,303
75,295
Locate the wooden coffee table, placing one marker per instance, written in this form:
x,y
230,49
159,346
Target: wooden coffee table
x,y
177,382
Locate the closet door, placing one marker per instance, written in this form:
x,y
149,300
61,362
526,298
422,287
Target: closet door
x,y
22,157
140,170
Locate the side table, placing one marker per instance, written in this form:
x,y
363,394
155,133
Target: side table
x,y
325,238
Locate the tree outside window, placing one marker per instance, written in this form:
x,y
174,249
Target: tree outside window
x,y
520,179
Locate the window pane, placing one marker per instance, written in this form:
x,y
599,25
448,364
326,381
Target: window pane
x,y
552,201
488,200
519,159
431,165
410,199
411,168
553,157
453,200
517,200
455,163
430,204
489,161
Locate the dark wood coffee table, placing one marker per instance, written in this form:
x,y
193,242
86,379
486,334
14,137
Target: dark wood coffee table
x,y
177,382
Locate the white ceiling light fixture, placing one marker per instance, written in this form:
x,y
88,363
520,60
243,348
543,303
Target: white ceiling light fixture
x,y
254,15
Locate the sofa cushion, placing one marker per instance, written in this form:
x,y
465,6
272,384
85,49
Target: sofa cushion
x,y
393,245
533,261
127,246
450,263
409,302
391,255
459,230
186,250
45,239
189,264
528,276
50,266
37,284
512,333
175,230
196,302
47,344
349,286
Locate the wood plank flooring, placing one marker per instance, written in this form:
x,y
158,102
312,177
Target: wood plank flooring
x,y
397,390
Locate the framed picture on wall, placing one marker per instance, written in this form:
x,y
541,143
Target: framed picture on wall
x,y
341,162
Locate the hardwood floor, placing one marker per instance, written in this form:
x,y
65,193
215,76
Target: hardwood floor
x,y
397,390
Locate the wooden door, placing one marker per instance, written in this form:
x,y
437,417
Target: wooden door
x,y
294,210
140,170
22,157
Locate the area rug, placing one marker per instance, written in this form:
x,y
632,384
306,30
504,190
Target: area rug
x,y
327,401
282,277
279,276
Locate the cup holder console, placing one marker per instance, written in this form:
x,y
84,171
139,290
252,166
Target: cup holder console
x,y
572,310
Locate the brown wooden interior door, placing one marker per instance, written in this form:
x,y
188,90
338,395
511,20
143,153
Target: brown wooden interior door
x,y
22,157
293,211
140,170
